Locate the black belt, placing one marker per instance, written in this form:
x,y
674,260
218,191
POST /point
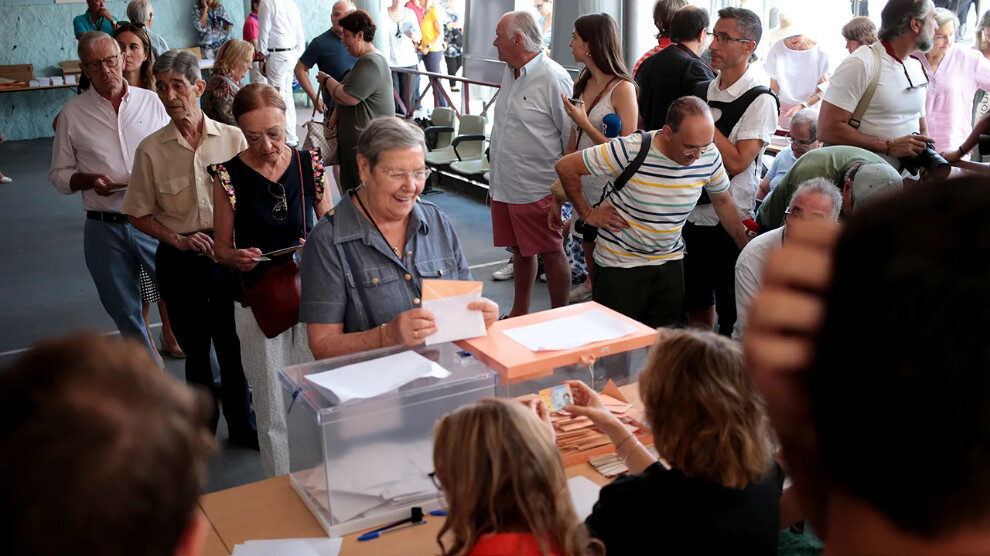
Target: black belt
x,y
280,49
112,217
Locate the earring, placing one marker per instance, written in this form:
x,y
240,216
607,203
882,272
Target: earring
x,y
588,54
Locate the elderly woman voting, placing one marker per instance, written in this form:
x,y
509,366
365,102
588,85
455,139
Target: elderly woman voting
x,y
363,265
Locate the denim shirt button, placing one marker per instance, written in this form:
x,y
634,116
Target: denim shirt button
x,y
416,301
374,281
408,277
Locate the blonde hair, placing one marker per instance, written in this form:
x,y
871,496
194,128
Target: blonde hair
x,y
501,472
230,53
708,419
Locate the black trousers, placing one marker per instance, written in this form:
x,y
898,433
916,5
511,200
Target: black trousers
x,y
710,273
653,295
199,295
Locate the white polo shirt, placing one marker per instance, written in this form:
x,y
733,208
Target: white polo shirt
x,y
759,121
896,106
531,131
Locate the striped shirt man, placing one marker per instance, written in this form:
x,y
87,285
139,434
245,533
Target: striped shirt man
x,y
655,202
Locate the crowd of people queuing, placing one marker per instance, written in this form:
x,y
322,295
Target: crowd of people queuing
x,y
196,194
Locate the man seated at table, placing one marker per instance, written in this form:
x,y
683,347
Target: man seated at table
x,y
803,137
101,453
96,18
857,172
815,199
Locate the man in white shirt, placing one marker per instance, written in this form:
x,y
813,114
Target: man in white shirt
x,y
893,125
815,199
745,112
281,38
95,140
530,135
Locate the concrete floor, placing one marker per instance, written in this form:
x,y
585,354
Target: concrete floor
x,y
46,290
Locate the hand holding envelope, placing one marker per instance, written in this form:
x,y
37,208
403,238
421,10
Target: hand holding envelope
x,y
458,308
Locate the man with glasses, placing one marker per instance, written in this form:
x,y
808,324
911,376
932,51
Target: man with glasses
x,y
97,134
171,199
893,124
638,253
857,173
803,137
815,199
745,111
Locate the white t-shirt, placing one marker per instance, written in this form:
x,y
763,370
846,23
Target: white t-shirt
x,y
758,122
401,49
896,106
796,71
749,274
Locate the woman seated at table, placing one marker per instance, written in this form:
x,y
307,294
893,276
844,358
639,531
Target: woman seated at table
x,y
364,266
260,202
232,64
717,489
504,481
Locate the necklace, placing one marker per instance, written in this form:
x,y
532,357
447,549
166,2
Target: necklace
x,y
396,250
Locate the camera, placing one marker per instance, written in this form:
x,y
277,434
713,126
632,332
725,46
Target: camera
x,y
934,165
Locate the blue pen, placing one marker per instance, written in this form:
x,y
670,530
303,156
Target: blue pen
x,y
376,534
439,513
415,518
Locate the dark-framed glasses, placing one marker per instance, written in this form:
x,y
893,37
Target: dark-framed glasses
x,y
110,62
724,39
281,210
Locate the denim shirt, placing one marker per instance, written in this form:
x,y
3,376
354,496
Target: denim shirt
x,y
331,284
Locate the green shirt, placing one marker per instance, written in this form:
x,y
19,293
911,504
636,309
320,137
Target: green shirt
x,y
370,81
825,162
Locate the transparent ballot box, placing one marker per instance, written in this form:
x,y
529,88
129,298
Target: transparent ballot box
x,y
359,462
508,348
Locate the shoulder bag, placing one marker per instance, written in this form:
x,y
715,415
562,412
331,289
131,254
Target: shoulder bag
x,y
320,136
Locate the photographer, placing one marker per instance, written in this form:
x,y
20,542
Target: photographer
x,y
893,124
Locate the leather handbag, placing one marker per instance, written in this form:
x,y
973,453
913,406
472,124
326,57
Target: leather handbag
x,y
274,300
320,136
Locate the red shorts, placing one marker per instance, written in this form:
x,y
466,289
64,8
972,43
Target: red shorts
x,y
525,227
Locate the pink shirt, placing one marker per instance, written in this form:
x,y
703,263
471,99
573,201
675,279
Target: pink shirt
x,y
94,139
949,100
250,31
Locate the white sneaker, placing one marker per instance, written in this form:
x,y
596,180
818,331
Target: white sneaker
x,y
5,179
580,293
504,273
543,277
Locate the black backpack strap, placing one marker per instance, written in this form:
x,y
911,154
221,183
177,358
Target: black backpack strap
x,y
630,171
733,111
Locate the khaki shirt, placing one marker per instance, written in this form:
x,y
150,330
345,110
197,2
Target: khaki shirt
x,y
169,181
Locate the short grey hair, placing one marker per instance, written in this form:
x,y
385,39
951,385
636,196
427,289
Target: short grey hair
x,y
896,17
807,116
943,16
523,24
181,62
90,38
747,21
139,11
388,133
824,187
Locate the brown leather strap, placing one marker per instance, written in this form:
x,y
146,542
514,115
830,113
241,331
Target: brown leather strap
x,y
302,192
607,87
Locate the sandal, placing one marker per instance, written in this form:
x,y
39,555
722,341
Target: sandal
x,y
171,349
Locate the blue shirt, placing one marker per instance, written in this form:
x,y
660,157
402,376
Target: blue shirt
x,y
329,54
781,164
84,24
331,285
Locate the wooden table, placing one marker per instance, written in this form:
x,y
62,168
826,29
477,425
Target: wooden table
x,y
271,509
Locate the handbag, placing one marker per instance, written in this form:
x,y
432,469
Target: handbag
x,y
319,136
274,300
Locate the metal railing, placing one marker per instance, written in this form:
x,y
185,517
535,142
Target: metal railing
x,y
436,83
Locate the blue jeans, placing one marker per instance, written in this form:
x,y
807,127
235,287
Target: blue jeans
x,y
114,253
407,85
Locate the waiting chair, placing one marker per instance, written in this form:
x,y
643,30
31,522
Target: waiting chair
x,y
442,127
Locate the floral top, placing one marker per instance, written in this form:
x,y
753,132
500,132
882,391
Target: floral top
x,y
218,99
452,35
213,34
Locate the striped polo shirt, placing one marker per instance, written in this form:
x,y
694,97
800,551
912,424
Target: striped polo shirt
x,y
656,202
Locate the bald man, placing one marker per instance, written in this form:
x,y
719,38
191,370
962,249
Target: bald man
x,y
328,54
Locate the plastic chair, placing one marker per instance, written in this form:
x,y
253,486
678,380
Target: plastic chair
x,y
442,121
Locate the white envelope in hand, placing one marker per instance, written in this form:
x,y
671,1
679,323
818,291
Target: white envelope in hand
x,y
448,301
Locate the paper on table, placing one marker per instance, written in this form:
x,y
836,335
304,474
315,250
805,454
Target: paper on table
x,y
584,328
584,494
375,377
290,547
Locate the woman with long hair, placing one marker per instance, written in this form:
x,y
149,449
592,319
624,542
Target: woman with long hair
x,y
139,59
498,466
604,87
716,488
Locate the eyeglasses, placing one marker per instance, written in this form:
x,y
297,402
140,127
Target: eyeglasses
x,y
418,176
539,5
700,150
398,31
109,62
724,39
801,214
801,142
907,76
281,210
436,482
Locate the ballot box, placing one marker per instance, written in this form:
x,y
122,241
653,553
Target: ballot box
x,y
360,430
586,342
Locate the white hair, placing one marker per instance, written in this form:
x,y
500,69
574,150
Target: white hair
x,y
943,16
824,187
88,39
139,11
523,24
